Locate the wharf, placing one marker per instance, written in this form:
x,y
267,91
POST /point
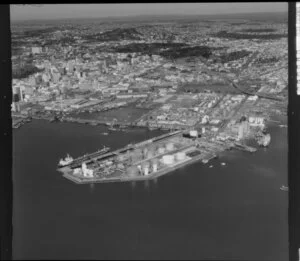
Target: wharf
x,y
201,150
18,122
95,122
192,153
100,155
243,147
89,157
159,173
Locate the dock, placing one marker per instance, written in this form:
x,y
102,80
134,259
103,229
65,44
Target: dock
x,y
18,122
113,166
146,160
161,172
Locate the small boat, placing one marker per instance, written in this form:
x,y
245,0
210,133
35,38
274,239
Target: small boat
x,y
283,126
211,166
104,150
223,163
66,161
204,161
104,133
284,188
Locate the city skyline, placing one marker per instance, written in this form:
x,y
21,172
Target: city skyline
x,y
79,11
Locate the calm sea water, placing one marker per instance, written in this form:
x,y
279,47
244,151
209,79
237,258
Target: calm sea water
x,y
229,212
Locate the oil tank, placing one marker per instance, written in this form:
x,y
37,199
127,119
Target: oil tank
x,y
180,156
109,163
168,159
154,165
152,149
132,171
136,155
194,133
170,146
145,168
120,166
161,150
145,152
150,154
77,171
121,157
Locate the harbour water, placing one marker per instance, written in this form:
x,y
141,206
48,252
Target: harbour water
x,y
233,211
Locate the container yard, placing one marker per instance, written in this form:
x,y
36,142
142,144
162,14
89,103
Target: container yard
x,y
142,161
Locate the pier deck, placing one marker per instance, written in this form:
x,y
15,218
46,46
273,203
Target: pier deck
x,y
103,173
159,173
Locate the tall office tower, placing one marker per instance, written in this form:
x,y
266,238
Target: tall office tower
x,y
13,106
17,92
241,131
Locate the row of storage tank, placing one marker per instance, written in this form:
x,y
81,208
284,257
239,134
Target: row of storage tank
x,y
153,165
147,152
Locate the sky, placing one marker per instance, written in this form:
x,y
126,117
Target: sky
x,y
66,11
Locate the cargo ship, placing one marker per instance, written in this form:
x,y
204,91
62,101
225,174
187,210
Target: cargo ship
x,y
68,160
284,188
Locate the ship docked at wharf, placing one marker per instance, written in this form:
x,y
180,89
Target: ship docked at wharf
x,y
68,160
145,160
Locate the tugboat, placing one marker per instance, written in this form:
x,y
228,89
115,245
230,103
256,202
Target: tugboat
x,y
104,150
284,188
66,161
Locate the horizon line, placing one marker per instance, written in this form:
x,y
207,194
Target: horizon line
x,y
146,15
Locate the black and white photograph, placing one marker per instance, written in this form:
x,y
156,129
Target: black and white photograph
x,y
150,131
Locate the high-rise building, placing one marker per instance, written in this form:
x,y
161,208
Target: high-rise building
x,y
71,66
36,49
18,92
13,106
241,132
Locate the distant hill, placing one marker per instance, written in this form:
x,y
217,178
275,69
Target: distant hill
x,y
263,16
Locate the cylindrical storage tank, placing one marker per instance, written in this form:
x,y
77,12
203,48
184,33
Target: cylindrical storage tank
x,y
161,150
121,157
170,146
168,159
120,166
180,156
145,168
151,151
194,133
145,152
154,164
109,163
150,154
77,171
132,171
146,171
136,155
83,166
154,167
